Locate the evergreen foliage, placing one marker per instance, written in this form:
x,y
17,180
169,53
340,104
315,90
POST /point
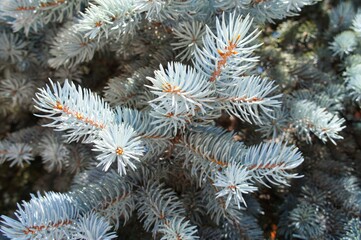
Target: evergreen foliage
x,y
139,93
